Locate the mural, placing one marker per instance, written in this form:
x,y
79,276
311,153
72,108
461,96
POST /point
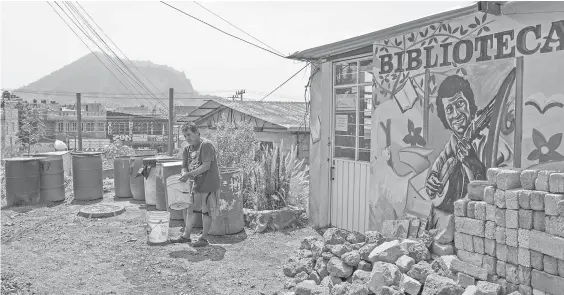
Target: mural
x,y
455,98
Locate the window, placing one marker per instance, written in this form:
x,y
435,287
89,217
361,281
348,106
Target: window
x,y
101,126
60,127
74,126
353,109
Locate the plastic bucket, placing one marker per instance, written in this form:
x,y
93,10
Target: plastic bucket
x,y
157,226
179,193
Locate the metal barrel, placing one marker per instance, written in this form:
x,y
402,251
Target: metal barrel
x,y
150,183
121,177
52,178
230,219
87,176
22,181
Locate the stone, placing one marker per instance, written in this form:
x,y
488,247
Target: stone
x,y
511,288
313,276
551,202
447,260
327,255
500,268
460,207
341,289
340,250
512,218
491,175
556,183
357,246
308,287
300,277
489,263
523,238
470,257
554,225
487,288
490,230
524,275
561,267
501,252
511,236
528,178
404,263
351,258
538,292
307,243
442,249
336,267
499,198
511,273
413,228
357,289
470,226
383,274
537,260
364,265
441,268
560,208
289,284
321,268
475,189
420,271
416,250
550,265
524,199
458,243
480,210
470,290
395,229
365,250
542,181
374,237
489,247
360,277
292,268
500,235
546,282
438,285
317,248
539,220
525,290
410,285
445,226
512,199
468,242
469,269
355,237
465,280
489,193
512,255
471,209
537,200
422,226
490,212
508,179
334,236
390,291
524,257
525,219
387,252
479,246
500,217
547,244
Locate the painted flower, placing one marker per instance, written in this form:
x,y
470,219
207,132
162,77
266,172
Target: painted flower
x,y
414,135
546,150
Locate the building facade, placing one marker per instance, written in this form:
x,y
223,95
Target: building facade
x,y
10,125
138,130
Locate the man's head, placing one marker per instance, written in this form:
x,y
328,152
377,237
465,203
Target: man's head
x,y
191,132
455,104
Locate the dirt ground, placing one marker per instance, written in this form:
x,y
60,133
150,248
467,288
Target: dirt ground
x,y
49,249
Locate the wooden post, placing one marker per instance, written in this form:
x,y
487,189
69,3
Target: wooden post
x,y
170,119
79,121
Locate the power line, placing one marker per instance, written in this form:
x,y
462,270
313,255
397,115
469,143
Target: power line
x,y
285,82
181,11
236,27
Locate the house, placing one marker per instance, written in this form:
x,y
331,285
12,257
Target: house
x,y
10,124
138,128
275,122
391,106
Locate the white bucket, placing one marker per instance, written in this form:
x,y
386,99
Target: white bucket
x,y
157,226
179,193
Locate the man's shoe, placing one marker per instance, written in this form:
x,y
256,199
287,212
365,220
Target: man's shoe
x,y
181,239
201,243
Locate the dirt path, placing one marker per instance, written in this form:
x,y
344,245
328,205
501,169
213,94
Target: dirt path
x,y
52,250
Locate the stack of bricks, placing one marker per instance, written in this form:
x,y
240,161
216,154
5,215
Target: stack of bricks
x,y
512,227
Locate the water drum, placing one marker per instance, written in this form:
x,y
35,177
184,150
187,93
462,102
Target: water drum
x,y
157,226
179,193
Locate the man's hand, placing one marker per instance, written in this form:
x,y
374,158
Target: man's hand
x,y
433,185
463,150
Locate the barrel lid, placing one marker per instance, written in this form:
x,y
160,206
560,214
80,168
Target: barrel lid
x,y
58,153
22,159
101,210
86,153
170,164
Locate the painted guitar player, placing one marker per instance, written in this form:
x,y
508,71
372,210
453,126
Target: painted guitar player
x,y
465,155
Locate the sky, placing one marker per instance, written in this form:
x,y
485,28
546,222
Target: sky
x,y
36,42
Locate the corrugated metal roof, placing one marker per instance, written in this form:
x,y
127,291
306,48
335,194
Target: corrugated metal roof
x,y
286,114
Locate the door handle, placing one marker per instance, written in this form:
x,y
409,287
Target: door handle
x,y
332,174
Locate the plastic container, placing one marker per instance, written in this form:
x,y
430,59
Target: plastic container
x,y
121,177
150,183
157,227
22,181
230,219
52,175
179,193
136,182
87,176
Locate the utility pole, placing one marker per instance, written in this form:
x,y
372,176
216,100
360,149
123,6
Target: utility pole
x,y
170,119
241,92
79,121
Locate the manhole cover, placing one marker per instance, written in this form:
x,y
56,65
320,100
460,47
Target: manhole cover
x,y
101,210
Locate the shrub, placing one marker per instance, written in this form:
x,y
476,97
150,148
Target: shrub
x,y
116,149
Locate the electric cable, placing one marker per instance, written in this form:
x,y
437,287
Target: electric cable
x,y
285,82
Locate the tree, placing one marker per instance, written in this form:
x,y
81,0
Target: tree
x,y
32,127
6,94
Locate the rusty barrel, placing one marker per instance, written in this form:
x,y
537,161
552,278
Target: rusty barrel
x,y
22,181
121,177
230,218
52,178
87,176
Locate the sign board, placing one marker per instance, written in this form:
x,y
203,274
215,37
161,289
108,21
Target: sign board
x,y
346,102
341,123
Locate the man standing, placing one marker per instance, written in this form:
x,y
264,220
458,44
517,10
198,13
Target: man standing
x,y
199,162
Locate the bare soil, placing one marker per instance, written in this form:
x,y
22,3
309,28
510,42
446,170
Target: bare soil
x,y
49,249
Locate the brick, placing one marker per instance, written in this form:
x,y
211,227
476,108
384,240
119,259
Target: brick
x,y
491,176
458,243
551,202
489,263
475,189
500,268
507,179
556,182
465,280
460,207
547,244
501,252
511,237
561,267
512,218
524,257
554,225
524,199
512,199
499,198
550,265
523,238
469,269
479,246
489,247
525,219
542,181
500,235
539,220
489,193
513,255
490,212
546,282
490,230
537,200
487,288
467,242
500,217
470,257
525,290
470,209
503,283
511,273
528,178
510,288
524,274
470,226
537,260
559,208
480,210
